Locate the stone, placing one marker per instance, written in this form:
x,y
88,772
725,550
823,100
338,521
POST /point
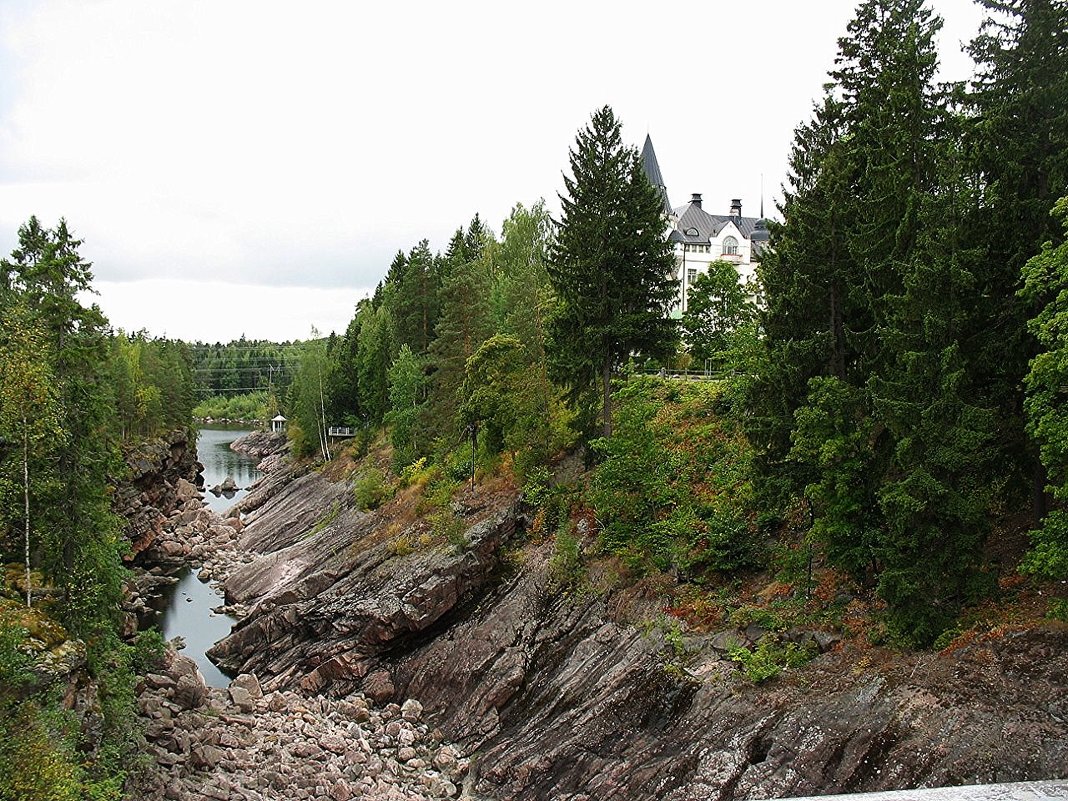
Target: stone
x,y
189,693
186,490
249,683
306,750
157,681
379,686
411,710
206,756
241,698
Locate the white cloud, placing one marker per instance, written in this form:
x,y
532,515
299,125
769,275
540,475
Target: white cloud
x,y
282,144
219,311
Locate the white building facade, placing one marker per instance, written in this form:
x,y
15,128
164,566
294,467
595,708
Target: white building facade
x,y
700,238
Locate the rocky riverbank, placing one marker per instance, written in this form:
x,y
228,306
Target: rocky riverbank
x,y
562,692
241,744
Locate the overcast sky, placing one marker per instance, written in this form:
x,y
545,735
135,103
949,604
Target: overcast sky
x,y
218,156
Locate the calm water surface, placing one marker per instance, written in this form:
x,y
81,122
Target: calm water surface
x,y
187,614
187,606
213,450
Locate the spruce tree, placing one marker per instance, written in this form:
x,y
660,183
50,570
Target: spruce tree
x,y
1018,143
465,322
808,278
609,265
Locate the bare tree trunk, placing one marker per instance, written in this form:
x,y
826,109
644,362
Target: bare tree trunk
x,y
606,378
324,441
26,501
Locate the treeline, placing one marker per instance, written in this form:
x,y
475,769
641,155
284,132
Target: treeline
x,y
450,350
242,366
888,394
71,391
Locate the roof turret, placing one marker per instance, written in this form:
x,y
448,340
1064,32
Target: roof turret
x,y
652,172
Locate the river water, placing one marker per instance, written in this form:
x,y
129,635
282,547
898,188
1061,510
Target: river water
x,y
187,606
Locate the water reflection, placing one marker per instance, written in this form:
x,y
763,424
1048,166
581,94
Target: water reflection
x,y
213,449
187,614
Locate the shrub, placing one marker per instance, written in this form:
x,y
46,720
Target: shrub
x,y
565,565
769,658
371,489
673,490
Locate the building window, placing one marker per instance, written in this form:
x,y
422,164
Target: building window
x,y
691,276
730,246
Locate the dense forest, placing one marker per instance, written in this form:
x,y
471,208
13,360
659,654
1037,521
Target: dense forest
x,y
889,402
73,392
891,385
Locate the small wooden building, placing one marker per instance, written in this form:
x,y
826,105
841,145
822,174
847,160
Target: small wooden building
x,y
278,424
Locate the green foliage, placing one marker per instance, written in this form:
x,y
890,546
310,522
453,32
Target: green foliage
x,y
769,658
609,265
148,652
38,760
1046,286
1058,609
250,406
718,308
15,663
244,365
673,489
307,401
463,324
866,371
152,383
373,354
507,395
833,435
566,571
407,393
371,489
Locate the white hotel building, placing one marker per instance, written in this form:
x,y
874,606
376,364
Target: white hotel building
x,y
700,238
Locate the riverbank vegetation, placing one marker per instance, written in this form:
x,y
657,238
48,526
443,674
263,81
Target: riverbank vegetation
x,y
72,393
886,423
874,410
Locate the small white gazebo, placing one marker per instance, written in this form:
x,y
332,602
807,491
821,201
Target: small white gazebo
x,y
278,424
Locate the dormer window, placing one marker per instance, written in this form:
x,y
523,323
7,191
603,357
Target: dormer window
x,y
692,232
730,246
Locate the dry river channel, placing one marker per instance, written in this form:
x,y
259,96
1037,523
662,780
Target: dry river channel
x,y
215,736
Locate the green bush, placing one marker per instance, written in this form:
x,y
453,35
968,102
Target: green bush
x,y
674,488
251,406
566,571
371,489
769,658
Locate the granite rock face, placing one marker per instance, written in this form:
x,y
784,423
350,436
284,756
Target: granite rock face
x,y
162,476
560,696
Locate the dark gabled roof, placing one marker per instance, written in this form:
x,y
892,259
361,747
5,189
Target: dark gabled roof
x,y
652,172
692,217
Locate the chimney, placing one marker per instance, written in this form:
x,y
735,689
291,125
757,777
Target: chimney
x,y
695,199
736,207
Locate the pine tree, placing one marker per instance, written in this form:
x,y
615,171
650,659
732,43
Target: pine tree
x,y
610,264
465,322
79,543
